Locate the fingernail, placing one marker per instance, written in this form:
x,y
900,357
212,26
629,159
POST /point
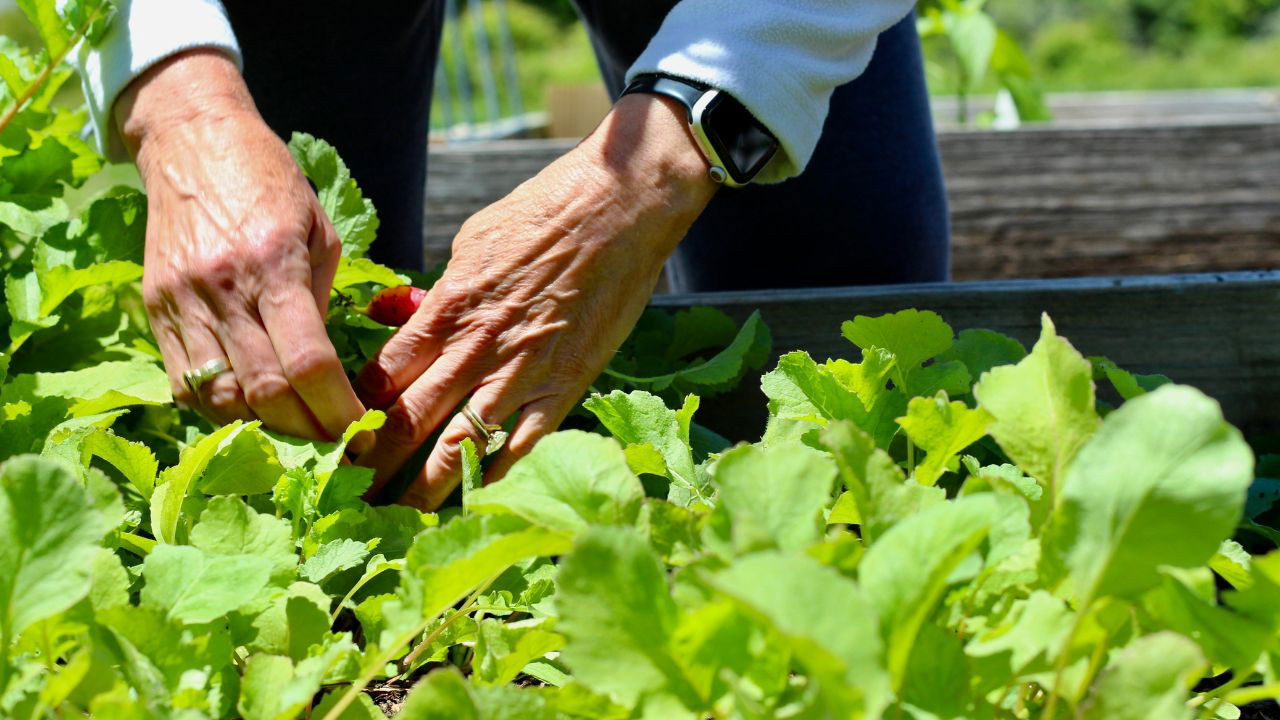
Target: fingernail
x,y
362,443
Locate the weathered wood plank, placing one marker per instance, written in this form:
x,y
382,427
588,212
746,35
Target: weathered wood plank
x,y
1218,332
1049,202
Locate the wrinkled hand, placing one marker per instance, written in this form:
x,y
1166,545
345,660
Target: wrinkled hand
x,y
542,288
240,256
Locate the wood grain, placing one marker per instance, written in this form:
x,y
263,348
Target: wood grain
x,y
1052,202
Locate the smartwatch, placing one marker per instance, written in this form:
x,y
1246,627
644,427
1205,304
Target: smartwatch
x,y
735,144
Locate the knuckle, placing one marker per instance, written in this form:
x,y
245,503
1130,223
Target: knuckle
x,y
405,423
311,364
265,388
226,398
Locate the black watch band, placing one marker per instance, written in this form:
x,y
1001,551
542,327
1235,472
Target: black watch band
x,y
734,142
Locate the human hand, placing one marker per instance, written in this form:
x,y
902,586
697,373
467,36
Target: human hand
x,y
542,288
240,256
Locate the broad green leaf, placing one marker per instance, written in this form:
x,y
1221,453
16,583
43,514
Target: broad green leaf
x,y
503,649
332,558
1186,602
1127,384
905,573
699,328
1148,679
937,679
618,617
362,709
570,481
1162,463
801,389
912,336
275,688
230,527
296,619
1232,563
134,460
245,464
943,429
972,34
982,350
826,620
1033,631
442,695
770,498
448,562
1043,407
48,539
882,495
845,511
356,271
639,418
194,587
175,482
350,212
749,349
102,387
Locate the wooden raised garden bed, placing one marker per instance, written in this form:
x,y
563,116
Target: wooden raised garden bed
x,y
1218,332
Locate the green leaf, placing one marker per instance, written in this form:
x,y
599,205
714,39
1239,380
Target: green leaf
x,y
1148,679
749,349
1162,463
448,562
972,34
245,464
194,587
570,481
275,688
883,496
825,619
296,619
230,527
332,558
441,695
801,389
618,617
503,649
358,271
102,387
905,573
352,215
639,418
1033,631
1186,602
175,482
770,498
1128,385
1043,407
982,350
48,539
911,336
943,429
937,678
134,460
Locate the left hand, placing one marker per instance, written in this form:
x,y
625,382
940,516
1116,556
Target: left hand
x,y
542,288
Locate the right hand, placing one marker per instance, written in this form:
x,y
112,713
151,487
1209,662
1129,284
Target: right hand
x,y
240,256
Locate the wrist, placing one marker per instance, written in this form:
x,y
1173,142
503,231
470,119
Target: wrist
x,y
645,142
195,85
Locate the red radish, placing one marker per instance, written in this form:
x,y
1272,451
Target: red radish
x,y
394,306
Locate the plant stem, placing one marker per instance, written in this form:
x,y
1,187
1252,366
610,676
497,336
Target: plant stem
x,y
389,654
54,62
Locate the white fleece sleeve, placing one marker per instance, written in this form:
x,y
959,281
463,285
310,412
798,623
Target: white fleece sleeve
x,y
781,59
143,33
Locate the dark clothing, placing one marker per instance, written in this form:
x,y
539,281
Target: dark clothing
x,y
869,209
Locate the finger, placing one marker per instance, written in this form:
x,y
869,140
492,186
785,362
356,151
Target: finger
x,y
266,389
537,420
308,360
492,403
403,358
326,250
175,360
220,397
417,412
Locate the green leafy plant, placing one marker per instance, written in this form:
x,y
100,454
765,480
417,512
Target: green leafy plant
x,y
941,526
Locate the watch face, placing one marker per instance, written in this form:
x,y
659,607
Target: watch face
x,y
738,138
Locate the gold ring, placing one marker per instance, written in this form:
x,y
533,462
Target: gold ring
x,y
494,436
203,374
